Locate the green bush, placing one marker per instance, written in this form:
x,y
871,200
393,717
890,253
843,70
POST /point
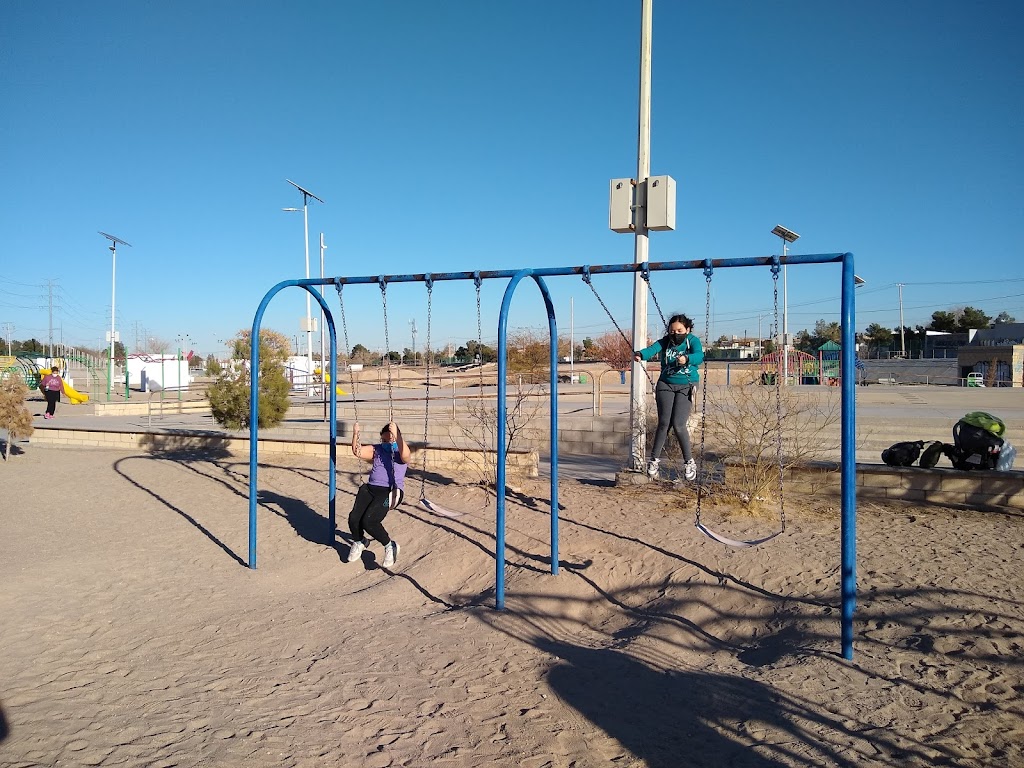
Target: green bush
x,y
229,394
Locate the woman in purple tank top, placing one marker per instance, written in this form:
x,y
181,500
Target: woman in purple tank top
x,y
382,491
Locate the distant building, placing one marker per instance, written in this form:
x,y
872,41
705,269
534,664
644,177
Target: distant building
x,y
996,353
737,349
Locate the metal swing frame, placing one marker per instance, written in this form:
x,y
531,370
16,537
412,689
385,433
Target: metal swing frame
x,y
847,391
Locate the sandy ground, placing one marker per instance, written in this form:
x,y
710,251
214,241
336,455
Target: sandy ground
x,y
133,634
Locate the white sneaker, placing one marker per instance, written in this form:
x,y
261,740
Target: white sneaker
x,y
390,554
690,470
355,551
652,467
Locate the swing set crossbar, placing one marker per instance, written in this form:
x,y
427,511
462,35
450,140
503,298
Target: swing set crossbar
x,y
594,269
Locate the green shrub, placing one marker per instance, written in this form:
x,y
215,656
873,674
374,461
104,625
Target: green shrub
x,y
229,394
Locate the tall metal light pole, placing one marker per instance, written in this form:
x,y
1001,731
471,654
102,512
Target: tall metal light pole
x,y
114,242
306,195
638,381
788,236
323,361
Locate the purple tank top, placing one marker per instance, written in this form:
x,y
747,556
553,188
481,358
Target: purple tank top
x,y
382,463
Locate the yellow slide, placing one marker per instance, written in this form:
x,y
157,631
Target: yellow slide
x,y
73,395
327,377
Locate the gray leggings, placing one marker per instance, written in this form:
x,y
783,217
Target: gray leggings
x,y
674,404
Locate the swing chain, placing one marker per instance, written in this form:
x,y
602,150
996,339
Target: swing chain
x,y
645,272
586,279
351,373
708,271
387,344
429,281
478,281
778,391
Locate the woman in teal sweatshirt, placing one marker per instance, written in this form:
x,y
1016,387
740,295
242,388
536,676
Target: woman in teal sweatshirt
x,y
680,354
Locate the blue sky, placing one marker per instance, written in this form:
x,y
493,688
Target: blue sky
x,y
449,136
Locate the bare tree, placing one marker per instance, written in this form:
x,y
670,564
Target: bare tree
x,y
614,350
481,430
744,423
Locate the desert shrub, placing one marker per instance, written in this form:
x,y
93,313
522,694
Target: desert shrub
x,y
229,393
481,430
743,427
14,414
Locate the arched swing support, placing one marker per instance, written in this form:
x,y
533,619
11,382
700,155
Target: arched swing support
x,y
506,302
254,408
848,466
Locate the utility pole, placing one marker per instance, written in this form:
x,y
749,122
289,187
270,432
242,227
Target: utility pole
x,y
412,323
638,379
8,330
49,349
903,342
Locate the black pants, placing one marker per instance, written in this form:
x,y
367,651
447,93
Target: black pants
x,y
368,513
674,404
52,398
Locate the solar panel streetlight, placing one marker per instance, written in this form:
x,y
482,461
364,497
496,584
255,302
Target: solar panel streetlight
x,y
306,195
788,236
114,242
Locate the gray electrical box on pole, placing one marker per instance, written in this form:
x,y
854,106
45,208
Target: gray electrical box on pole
x,y
661,203
620,205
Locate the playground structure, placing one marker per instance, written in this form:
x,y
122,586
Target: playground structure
x,y
802,367
32,373
846,368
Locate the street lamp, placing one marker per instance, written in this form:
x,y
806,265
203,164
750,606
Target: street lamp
x,y
114,242
306,194
788,236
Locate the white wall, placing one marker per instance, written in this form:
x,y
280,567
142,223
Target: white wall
x,y
165,370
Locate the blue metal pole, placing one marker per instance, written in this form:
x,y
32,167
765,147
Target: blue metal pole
x,y
254,406
848,523
499,553
499,512
654,266
553,421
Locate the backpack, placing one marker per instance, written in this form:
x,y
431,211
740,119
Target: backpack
x,y
902,454
974,447
931,454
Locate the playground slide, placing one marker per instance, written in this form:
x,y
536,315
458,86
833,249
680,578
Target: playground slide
x,y
341,392
74,396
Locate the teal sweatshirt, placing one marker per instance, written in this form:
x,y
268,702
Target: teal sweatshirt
x,y
674,368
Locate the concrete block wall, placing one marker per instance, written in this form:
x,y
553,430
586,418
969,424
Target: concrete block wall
x,y
142,407
915,484
460,464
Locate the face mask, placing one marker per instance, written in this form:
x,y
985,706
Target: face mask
x,y
677,338
394,447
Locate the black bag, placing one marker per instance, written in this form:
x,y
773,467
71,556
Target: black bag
x,y
902,454
931,454
974,447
